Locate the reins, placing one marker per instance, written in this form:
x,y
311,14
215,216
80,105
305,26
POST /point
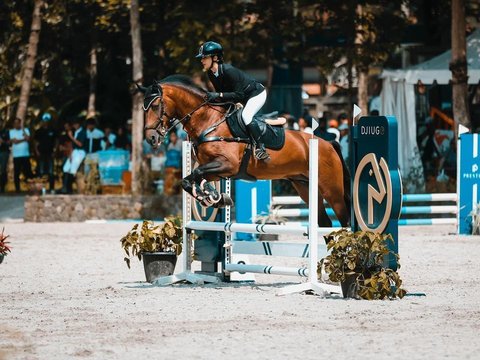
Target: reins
x,y
162,131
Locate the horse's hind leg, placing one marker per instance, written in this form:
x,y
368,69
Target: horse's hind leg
x,y
301,186
334,196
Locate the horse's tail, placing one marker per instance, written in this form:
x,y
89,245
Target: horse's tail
x,y
346,178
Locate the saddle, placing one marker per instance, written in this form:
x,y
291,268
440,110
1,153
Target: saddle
x,y
273,133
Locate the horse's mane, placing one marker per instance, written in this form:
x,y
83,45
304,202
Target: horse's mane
x,y
185,81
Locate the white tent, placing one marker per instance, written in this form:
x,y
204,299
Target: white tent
x,y
398,96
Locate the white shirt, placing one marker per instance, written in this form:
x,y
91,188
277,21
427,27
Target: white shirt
x,y
21,149
94,134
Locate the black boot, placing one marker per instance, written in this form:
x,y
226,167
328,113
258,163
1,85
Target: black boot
x,y
67,185
255,135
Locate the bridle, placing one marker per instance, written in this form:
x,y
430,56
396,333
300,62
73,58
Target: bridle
x,y
162,112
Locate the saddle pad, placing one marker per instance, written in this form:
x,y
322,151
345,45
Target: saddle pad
x,y
273,136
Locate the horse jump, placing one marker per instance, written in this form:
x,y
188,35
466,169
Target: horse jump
x,y
177,100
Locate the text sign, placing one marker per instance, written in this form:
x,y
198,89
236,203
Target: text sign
x,y
377,187
468,181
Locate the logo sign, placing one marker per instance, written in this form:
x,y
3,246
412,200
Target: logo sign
x,y
377,197
469,180
201,213
377,187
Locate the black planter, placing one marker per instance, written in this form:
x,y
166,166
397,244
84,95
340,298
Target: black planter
x,y
1,258
158,264
348,287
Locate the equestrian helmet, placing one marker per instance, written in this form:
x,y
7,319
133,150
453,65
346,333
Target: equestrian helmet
x,y
210,48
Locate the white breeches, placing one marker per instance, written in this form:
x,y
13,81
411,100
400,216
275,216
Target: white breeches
x,y
252,106
74,161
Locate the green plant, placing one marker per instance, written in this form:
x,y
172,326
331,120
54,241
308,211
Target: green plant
x,y
148,237
359,257
4,248
475,214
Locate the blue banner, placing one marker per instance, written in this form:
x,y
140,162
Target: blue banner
x,y
468,181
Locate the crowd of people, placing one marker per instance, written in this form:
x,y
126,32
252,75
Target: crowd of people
x,y
46,144
58,154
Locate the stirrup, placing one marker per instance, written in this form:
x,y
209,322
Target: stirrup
x,y
261,154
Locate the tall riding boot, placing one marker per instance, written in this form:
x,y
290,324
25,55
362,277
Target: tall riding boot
x,y
256,135
67,185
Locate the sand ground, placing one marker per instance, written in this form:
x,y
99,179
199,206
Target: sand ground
x,y
66,293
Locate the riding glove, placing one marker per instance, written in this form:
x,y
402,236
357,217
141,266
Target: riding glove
x,y
211,96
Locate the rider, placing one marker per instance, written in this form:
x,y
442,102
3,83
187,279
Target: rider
x,y
232,84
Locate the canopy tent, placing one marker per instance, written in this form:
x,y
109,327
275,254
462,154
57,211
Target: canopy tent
x,y
398,99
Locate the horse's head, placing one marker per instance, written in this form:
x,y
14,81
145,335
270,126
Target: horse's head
x,y
156,120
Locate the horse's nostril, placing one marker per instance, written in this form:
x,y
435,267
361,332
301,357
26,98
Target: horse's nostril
x,y
152,139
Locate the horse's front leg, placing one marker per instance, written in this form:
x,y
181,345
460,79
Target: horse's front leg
x,y
204,192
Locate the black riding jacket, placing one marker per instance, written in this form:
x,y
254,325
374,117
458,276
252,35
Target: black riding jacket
x,y
235,85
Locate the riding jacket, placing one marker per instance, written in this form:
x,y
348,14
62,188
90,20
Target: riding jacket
x,y
234,84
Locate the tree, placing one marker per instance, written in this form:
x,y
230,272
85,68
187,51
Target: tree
x,y
137,98
30,61
458,66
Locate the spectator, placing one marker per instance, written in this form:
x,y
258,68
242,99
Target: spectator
x,y
45,144
74,157
335,132
332,124
321,130
122,141
77,134
19,137
448,163
305,126
173,164
342,119
344,140
109,141
4,154
428,150
94,137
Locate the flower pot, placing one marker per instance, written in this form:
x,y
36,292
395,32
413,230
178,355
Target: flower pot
x,y
158,264
348,287
1,258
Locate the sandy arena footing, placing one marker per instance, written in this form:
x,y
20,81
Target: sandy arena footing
x,y
65,293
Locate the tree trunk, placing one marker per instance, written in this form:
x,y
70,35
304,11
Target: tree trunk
x,y
362,75
458,66
362,68
137,98
93,82
30,62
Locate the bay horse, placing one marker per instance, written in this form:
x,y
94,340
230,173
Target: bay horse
x,y
177,100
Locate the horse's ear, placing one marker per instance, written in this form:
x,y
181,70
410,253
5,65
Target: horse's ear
x,y
141,88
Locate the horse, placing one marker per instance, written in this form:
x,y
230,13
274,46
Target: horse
x,y
177,100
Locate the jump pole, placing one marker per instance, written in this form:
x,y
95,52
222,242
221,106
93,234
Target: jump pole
x,y
312,284
186,274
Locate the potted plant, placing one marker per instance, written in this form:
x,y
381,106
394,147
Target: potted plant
x,y
475,214
157,245
356,260
272,218
4,248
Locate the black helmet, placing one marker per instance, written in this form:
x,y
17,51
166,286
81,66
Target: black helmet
x,y
210,48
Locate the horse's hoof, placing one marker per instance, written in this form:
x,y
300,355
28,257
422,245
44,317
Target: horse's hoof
x,y
227,200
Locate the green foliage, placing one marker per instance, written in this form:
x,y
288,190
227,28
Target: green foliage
x,y
4,248
153,238
475,214
360,255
